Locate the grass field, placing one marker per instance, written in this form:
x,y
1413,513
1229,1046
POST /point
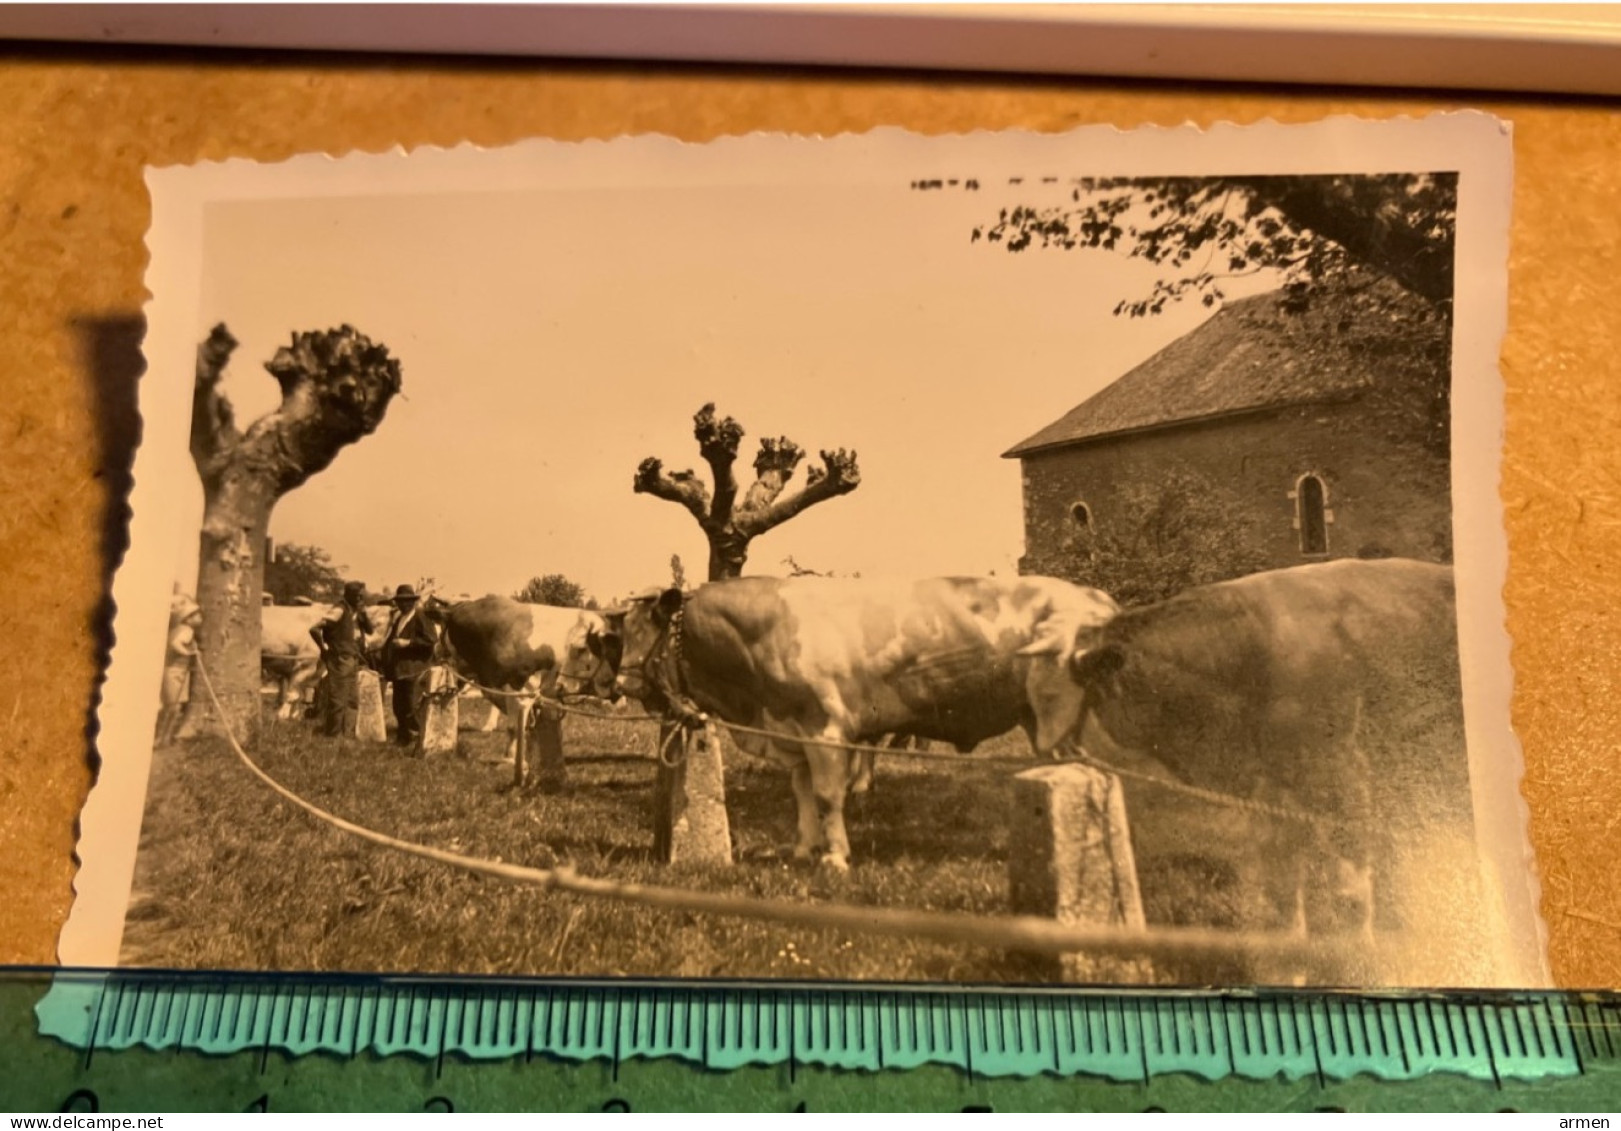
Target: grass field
x,y
230,876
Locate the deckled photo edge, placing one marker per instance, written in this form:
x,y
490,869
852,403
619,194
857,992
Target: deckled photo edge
x,y
110,822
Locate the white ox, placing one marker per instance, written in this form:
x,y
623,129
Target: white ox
x,y
534,650
288,657
824,662
289,661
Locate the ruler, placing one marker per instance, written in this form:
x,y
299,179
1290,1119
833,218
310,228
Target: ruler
x,y
139,1041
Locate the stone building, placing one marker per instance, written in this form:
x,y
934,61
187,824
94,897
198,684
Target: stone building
x,y
1275,433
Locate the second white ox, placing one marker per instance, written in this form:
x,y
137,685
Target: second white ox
x,y
835,660
288,657
289,660
533,650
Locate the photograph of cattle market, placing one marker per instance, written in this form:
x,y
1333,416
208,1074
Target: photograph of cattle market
x,y
1011,578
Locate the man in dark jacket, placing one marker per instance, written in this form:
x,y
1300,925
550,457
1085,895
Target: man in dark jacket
x,y
341,637
407,653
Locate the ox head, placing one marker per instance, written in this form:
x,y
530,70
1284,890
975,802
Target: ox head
x,y
433,609
642,625
591,658
1063,663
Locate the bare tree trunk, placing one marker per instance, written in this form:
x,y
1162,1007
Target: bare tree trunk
x,y
335,385
729,525
230,578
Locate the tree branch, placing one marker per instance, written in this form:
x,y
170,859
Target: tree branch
x,y
839,475
680,487
213,423
773,467
1383,238
717,443
335,388
1400,225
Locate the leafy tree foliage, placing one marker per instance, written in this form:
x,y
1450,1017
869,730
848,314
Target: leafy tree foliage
x,y
1316,230
303,571
1187,529
554,589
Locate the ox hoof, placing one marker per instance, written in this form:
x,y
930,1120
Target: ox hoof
x,y
833,862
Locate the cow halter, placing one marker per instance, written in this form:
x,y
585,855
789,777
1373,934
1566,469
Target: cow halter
x,y
664,669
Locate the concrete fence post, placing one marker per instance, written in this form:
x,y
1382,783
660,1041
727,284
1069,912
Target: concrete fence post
x,y
689,798
520,748
370,723
436,702
1070,859
551,774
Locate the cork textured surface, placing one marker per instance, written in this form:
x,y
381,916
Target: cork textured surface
x,y
78,129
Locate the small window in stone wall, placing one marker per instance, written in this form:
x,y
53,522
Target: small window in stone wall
x,y
1081,515
1312,516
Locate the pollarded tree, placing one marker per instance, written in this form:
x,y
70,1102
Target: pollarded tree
x,y
335,388
730,523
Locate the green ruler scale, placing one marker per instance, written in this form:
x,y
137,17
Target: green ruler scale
x,y
127,1041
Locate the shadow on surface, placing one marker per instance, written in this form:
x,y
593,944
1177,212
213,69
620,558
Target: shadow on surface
x,y
111,362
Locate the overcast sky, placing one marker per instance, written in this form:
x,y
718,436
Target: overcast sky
x,y
552,339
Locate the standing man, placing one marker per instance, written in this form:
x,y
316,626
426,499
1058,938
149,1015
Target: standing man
x,y
407,653
341,637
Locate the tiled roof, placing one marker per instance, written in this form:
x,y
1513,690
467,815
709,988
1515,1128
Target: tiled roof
x,y
1252,354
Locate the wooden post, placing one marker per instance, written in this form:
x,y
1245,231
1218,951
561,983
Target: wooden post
x,y
437,707
551,774
1070,859
371,724
689,799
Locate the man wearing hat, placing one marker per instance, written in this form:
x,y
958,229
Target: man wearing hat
x,y
407,653
341,637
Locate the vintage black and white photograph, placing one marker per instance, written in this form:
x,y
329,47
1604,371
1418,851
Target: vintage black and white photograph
x,y
1001,558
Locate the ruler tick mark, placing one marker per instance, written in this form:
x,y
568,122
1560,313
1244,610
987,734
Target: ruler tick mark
x,y
968,1055
1142,1042
439,1059
1575,1044
1317,1053
1396,1039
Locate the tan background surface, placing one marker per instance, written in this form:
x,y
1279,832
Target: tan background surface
x,y
76,131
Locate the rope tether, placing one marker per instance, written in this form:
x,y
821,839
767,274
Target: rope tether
x,y
1212,796
1200,793
1028,933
